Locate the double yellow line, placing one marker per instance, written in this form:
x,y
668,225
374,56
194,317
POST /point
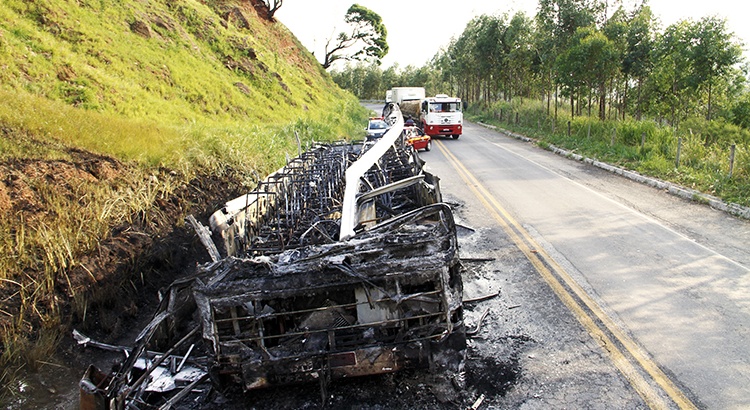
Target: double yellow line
x,y
586,310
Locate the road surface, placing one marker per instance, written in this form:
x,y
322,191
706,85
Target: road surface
x,y
662,284
612,295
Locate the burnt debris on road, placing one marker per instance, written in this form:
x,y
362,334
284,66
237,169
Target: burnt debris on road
x,y
342,263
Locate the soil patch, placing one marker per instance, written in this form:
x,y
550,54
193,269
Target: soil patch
x,y
109,290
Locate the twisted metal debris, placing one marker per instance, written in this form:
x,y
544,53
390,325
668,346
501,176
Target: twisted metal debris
x,y
342,263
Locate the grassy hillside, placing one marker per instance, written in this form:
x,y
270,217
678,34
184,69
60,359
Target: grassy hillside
x,y
119,118
186,69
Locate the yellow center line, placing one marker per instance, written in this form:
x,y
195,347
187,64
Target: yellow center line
x,y
537,256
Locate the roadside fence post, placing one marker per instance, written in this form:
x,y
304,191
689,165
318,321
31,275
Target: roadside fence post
x,y
679,148
614,134
568,129
731,159
643,140
516,117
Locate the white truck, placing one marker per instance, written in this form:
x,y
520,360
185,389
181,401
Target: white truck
x,y
400,94
440,115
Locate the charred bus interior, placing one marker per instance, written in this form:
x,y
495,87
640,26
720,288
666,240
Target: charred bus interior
x,y
343,263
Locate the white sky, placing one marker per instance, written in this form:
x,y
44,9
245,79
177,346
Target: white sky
x,y
417,29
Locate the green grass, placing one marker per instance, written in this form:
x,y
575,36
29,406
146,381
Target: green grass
x,y
704,157
200,96
87,56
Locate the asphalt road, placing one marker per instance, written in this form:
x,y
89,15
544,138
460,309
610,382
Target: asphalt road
x,y
611,295
664,281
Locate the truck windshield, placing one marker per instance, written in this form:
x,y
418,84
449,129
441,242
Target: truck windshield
x,y
445,107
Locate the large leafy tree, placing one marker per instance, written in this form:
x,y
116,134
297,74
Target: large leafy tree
x,y
366,40
590,61
638,58
691,60
562,18
713,53
464,59
669,83
491,62
517,49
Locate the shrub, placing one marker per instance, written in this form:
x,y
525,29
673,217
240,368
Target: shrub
x,y
704,159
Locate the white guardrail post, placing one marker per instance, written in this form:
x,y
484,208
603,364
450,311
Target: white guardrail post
x,y
354,174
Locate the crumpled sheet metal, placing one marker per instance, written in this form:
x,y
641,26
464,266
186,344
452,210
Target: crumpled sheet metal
x,y
287,301
374,304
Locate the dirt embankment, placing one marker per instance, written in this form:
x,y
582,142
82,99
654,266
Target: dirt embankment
x,y
100,291
120,278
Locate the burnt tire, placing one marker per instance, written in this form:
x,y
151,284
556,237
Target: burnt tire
x,y
449,354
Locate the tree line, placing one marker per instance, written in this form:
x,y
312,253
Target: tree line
x,y
611,64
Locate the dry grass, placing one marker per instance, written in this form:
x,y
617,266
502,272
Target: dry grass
x,y
99,126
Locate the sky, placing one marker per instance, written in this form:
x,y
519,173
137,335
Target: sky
x,y
418,29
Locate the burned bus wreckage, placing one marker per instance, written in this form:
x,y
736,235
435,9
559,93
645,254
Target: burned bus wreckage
x,y
343,263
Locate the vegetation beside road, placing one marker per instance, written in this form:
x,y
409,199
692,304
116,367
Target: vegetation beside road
x,y
641,146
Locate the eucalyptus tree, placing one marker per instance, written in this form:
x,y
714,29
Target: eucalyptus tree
x,y
356,84
372,83
492,57
442,66
712,52
616,29
518,54
343,78
691,58
544,53
668,84
391,78
462,54
590,60
491,61
563,18
638,58
414,76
